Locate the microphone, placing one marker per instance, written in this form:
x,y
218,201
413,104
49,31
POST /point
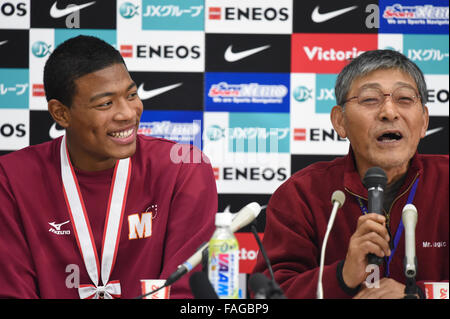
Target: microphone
x,y
201,286
242,218
409,218
264,288
375,181
337,199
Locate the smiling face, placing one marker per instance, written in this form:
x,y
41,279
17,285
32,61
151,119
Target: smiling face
x,y
103,120
387,135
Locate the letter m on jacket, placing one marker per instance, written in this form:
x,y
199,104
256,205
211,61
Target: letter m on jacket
x,y
140,226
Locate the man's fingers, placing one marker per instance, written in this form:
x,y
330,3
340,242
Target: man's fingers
x,y
371,225
373,243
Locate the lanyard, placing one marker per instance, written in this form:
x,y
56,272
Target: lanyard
x,y
399,232
83,231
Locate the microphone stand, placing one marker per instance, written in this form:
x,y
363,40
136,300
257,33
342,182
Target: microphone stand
x,y
205,255
261,249
273,291
411,289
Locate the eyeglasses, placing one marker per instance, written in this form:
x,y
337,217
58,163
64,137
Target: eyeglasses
x,y
374,97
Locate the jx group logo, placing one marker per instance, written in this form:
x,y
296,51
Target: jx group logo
x,y
313,93
161,14
253,16
247,132
173,15
14,88
247,92
327,53
414,16
429,51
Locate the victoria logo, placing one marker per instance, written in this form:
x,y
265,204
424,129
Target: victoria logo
x,y
318,17
231,56
59,13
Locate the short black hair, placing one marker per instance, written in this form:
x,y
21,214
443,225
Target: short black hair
x,y
71,60
370,61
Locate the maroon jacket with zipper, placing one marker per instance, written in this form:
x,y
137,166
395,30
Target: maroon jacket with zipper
x,y
299,210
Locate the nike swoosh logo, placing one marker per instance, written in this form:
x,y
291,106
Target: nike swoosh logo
x,y
318,17
231,56
145,95
58,13
434,130
55,133
3,42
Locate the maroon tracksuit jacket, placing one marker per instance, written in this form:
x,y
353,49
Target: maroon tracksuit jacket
x,y
38,249
298,214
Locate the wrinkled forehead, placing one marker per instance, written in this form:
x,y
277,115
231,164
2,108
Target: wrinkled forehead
x,y
384,80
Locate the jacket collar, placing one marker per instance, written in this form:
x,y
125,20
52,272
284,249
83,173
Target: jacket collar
x,y
353,183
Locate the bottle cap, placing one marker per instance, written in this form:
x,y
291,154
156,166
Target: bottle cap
x,y
224,219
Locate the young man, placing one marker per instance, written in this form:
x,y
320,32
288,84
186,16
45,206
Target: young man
x,y
93,213
381,109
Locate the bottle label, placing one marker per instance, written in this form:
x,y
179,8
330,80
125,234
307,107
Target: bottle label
x,y
224,267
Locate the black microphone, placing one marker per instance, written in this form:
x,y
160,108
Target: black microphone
x,y
375,181
264,288
201,286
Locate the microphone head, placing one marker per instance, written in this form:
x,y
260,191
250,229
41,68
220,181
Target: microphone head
x,y
338,196
259,284
245,216
409,213
255,208
264,288
201,286
375,176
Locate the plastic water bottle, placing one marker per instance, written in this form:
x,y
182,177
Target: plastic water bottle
x,y
223,261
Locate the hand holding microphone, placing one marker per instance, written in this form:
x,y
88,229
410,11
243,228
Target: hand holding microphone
x,y
370,241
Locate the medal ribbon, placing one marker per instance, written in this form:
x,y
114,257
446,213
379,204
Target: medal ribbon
x,y
83,231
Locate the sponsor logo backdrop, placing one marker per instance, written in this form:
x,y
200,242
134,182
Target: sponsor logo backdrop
x,y
250,82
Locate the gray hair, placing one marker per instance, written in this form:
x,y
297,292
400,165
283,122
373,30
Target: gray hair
x,y
375,60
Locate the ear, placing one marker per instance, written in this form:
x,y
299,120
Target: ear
x,y
337,119
426,120
59,112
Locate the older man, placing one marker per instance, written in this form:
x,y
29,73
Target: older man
x,y
381,109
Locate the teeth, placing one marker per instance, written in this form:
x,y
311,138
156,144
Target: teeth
x,y
122,134
390,136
